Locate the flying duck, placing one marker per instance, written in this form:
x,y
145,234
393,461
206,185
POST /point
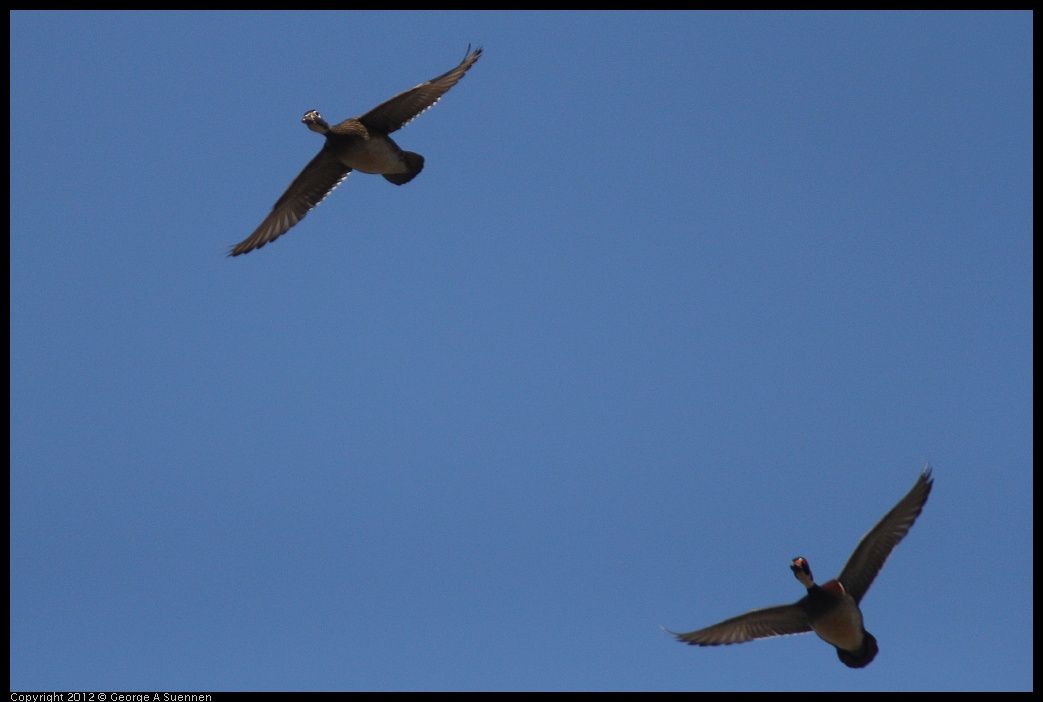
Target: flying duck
x,y
831,609
361,144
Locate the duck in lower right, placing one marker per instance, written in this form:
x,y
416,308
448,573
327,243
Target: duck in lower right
x,y
831,609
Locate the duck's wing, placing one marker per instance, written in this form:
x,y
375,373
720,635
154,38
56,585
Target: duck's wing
x,y
318,179
402,109
874,548
756,624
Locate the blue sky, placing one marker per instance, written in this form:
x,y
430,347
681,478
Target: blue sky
x,y
676,298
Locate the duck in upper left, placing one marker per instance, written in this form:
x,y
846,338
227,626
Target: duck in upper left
x,y
831,610
361,144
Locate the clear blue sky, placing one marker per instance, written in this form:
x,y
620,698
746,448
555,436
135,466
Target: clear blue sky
x,y
677,298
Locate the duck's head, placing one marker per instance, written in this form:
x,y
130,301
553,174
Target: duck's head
x,y
315,122
802,570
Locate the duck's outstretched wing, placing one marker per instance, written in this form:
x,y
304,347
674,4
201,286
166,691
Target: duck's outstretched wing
x,y
756,624
318,179
402,109
874,548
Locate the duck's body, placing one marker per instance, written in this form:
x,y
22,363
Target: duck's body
x,y
359,144
834,615
831,610
358,148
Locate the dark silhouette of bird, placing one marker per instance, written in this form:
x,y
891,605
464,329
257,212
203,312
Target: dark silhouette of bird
x,y
830,610
361,144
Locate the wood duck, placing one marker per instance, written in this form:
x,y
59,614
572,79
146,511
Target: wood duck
x,y
830,610
361,144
